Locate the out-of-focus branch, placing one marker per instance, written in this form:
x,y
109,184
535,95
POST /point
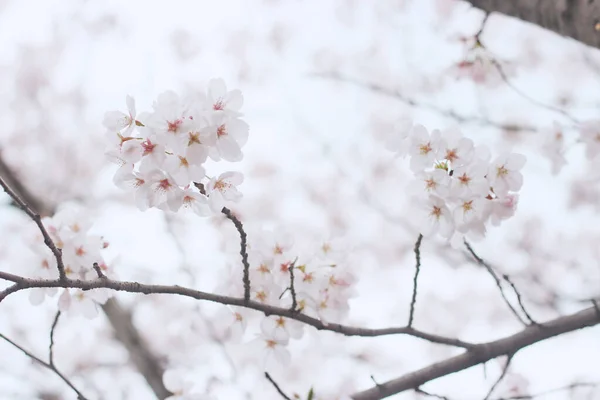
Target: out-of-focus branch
x,y
142,357
49,365
493,274
483,353
577,19
375,88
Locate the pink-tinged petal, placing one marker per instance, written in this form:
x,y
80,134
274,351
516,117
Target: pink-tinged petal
x,y
64,301
216,201
233,177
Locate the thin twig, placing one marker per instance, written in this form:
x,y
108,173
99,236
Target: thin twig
x,y
292,288
572,386
413,301
482,27
519,299
51,367
502,375
435,396
276,386
51,347
529,98
22,283
99,271
243,250
490,270
38,221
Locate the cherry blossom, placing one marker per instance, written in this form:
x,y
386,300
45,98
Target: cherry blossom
x,y
223,189
504,173
423,147
119,122
221,100
436,217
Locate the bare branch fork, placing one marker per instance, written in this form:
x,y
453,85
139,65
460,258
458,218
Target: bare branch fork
x,y
482,353
142,357
498,282
50,364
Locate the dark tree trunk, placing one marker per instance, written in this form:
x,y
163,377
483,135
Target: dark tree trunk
x,y
577,19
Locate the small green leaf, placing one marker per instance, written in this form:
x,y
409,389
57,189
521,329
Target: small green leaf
x,y
311,394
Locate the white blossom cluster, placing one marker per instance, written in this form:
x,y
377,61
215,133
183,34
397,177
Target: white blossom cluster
x,y
459,187
162,153
323,285
69,230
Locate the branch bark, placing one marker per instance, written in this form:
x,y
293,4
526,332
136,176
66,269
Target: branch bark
x,y
142,357
22,283
483,353
576,19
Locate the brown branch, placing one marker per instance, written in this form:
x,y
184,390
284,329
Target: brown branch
x,y
493,274
413,301
519,299
143,358
49,365
135,287
38,221
483,353
276,386
243,250
51,347
577,19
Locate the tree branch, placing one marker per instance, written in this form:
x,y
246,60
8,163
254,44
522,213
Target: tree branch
x,y
243,250
22,283
413,301
482,353
143,358
49,365
493,274
276,386
38,221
